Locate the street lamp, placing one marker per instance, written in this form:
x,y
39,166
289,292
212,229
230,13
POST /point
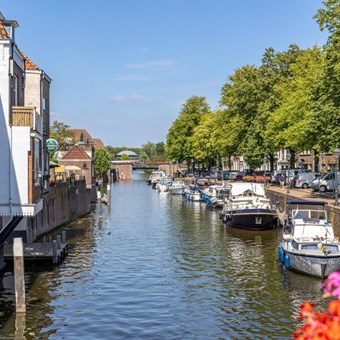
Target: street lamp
x,y
264,172
336,155
288,157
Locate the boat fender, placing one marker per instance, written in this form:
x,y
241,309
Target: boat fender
x,y
225,218
281,253
287,261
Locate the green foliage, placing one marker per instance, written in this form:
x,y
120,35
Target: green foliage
x,y
125,157
102,161
151,152
200,142
179,144
61,133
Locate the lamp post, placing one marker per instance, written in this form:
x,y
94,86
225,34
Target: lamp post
x,y
336,194
288,157
264,173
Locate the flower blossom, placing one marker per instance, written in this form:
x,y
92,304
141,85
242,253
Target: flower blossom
x,y
331,287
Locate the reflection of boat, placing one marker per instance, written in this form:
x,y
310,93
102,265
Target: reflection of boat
x,y
247,207
214,195
308,244
164,184
176,188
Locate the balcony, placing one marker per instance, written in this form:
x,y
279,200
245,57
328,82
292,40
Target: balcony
x,y
26,116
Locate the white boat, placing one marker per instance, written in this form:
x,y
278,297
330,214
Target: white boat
x,y
192,193
155,177
176,188
214,195
164,184
308,244
247,207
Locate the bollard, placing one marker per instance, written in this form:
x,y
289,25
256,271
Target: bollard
x,y
99,199
63,237
108,194
19,275
55,253
58,242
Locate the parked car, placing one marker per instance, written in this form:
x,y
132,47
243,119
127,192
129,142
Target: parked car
x,y
305,180
226,174
326,182
245,172
233,174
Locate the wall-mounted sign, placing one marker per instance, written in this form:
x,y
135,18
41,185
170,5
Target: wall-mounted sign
x,y
52,145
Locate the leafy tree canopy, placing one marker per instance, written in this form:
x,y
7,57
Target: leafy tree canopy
x,y
61,133
102,161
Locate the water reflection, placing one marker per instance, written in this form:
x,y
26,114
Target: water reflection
x,y
157,266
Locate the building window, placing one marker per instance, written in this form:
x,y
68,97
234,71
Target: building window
x,y
45,115
15,91
37,162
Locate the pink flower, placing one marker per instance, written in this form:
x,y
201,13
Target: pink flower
x,y
331,287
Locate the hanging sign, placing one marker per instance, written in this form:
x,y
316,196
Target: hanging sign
x,y
52,145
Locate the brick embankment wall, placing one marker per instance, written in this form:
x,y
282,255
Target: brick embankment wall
x,y
62,204
276,195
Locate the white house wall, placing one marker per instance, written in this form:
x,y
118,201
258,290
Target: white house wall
x,y
21,147
4,124
33,89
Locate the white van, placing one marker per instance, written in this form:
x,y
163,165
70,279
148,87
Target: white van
x,y
327,182
304,180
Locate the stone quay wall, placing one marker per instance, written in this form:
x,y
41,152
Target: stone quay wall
x,y
65,202
282,197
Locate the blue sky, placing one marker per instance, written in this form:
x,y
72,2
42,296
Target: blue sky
x,y
122,69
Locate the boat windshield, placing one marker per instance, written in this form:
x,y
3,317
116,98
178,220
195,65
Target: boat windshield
x,y
309,214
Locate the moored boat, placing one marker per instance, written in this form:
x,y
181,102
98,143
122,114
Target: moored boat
x,y
308,244
247,207
176,188
192,193
164,184
155,177
214,195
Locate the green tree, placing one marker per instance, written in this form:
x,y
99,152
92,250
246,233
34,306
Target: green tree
x,y
102,161
178,145
242,95
125,157
200,142
292,122
61,133
327,94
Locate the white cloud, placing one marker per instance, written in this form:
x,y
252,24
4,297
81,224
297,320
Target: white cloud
x,y
128,77
132,97
162,63
54,114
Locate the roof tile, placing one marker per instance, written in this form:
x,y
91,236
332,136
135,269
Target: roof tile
x,y
76,153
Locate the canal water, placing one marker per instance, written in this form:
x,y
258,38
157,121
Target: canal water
x,y
155,266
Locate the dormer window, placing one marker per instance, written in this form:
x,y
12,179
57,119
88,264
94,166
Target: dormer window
x,y
10,26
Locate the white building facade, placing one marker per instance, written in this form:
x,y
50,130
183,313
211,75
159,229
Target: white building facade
x,y
24,128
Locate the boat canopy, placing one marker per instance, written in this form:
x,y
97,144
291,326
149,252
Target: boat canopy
x,y
302,202
239,188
